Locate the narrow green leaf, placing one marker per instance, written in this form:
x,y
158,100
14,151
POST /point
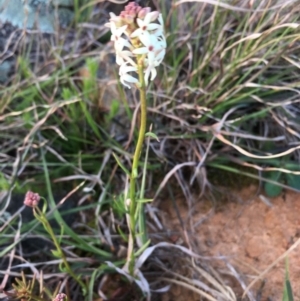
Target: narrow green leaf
x,y
81,243
90,119
293,181
121,164
114,109
142,248
122,234
63,268
145,200
287,291
45,205
56,253
152,135
271,189
95,275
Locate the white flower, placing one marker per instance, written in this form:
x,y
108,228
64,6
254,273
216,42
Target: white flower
x,y
125,77
161,39
113,19
145,25
151,45
154,49
117,32
159,56
121,54
150,70
123,57
160,53
120,43
161,20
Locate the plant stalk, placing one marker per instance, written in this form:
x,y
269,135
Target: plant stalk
x,y
43,219
135,163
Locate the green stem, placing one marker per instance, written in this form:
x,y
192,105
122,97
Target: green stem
x,y
135,163
141,206
43,219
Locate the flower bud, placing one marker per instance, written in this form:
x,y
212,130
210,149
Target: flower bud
x,y
31,199
127,17
143,12
133,6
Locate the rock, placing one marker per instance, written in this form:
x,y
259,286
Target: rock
x,y
5,68
42,14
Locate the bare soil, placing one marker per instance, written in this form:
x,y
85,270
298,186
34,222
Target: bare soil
x,y
250,232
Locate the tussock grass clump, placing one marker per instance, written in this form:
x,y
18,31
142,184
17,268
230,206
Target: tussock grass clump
x,y
232,82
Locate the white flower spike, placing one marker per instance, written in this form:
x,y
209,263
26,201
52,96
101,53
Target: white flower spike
x,y
138,36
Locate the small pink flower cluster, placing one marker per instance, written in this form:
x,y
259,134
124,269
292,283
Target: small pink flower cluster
x,y
137,33
31,199
60,297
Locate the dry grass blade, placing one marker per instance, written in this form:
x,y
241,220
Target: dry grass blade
x,y
192,288
248,154
170,174
196,279
238,7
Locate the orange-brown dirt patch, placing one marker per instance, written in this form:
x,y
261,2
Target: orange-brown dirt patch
x,y
251,233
